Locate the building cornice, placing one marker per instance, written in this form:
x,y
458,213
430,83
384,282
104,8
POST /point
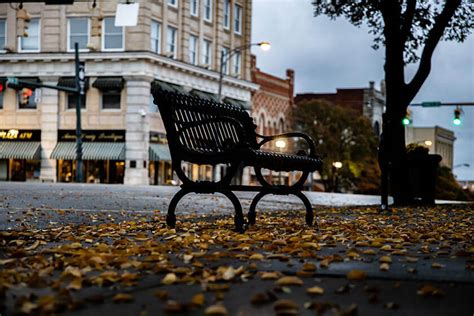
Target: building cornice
x,y
128,56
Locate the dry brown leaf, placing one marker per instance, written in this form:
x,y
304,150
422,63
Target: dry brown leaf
x,y
33,246
198,299
169,278
315,290
289,280
256,256
356,275
286,307
122,298
76,284
270,275
385,259
216,310
436,265
384,267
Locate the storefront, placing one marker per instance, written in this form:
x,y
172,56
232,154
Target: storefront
x,y
159,167
20,155
103,154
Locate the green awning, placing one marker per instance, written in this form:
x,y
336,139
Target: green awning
x,y
109,83
159,152
238,103
205,95
20,150
90,151
166,86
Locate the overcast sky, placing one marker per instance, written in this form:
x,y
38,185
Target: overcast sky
x,y
328,54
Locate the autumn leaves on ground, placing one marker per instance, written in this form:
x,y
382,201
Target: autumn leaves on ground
x,y
359,261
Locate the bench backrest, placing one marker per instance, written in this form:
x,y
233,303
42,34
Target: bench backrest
x,y
194,125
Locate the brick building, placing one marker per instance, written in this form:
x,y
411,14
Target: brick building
x,y
176,42
272,105
369,102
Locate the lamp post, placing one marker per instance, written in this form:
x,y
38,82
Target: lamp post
x,y
335,167
226,56
280,144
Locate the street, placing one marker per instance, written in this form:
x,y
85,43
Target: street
x,y
104,249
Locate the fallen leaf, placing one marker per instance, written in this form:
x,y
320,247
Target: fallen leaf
x,y
256,256
216,310
286,307
289,280
385,259
169,278
198,299
436,265
356,275
384,267
270,275
76,284
122,298
315,290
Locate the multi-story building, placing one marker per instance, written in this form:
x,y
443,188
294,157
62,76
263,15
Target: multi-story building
x,y
176,42
369,102
271,109
438,140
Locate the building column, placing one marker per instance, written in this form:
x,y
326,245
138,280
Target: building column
x,y
137,131
49,109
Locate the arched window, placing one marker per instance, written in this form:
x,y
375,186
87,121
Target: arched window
x,y
261,124
377,128
282,126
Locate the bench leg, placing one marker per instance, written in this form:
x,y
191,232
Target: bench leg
x,y
239,220
307,204
171,217
252,215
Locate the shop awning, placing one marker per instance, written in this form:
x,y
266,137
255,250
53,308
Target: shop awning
x,y
205,95
20,150
109,83
90,151
159,152
166,86
243,104
70,82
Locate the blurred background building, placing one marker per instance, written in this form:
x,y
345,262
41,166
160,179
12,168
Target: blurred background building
x,y
176,42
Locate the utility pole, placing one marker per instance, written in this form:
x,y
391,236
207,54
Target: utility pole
x,y
80,82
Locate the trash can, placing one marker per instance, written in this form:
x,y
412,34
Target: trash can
x,y
422,171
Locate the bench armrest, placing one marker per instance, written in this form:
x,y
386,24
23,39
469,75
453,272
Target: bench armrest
x,y
306,137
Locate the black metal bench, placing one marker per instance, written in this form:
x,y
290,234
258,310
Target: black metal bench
x,y
205,132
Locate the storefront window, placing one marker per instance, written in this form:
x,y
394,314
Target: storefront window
x,y
95,171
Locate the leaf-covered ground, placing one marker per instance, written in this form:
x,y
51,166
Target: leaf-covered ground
x,y
409,261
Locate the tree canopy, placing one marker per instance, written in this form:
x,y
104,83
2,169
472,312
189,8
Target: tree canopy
x,y
341,135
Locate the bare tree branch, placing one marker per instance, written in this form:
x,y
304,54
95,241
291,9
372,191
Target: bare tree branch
x,y
434,36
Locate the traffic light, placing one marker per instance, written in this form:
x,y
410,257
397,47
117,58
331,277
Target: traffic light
x,y
26,93
2,87
23,18
407,119
457,116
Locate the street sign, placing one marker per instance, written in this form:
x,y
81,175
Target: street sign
x,y
430,104
37,95
12,80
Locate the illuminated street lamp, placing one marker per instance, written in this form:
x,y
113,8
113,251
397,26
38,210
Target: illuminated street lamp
x,y
280,144
226,56
335,168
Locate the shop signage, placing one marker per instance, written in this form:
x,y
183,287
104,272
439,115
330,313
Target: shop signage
x,y
20,135
103,136
158,138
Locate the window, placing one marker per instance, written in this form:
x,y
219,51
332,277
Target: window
x,y
171,42
208,10
227,14
236,68
238,19
32,42
78,32
113,35
194,7
193,41
206,56
3,34
155,37
71,101
225,67
111,99
173,3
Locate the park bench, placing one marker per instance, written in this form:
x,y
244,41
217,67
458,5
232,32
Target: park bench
x,y
205,132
